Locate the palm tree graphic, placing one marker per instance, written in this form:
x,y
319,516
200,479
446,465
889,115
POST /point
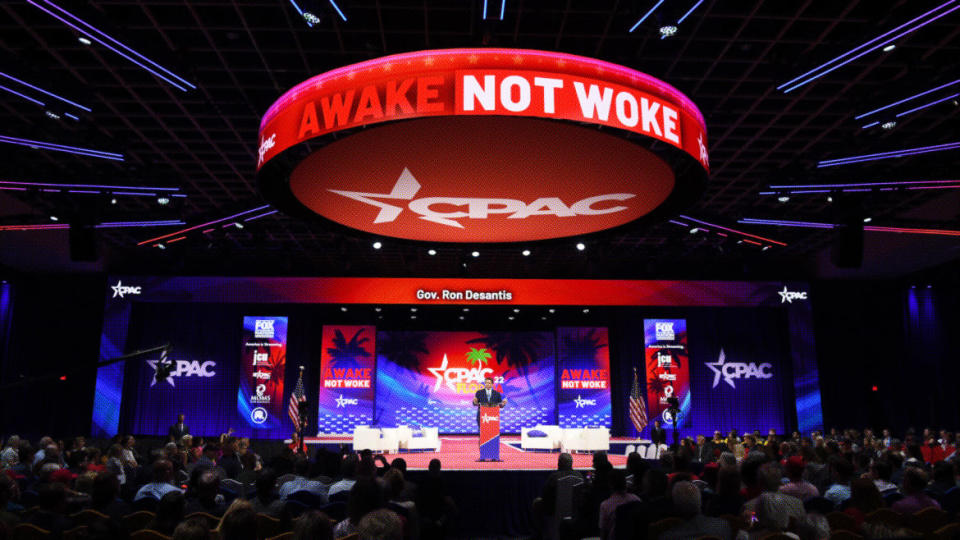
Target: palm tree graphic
x,y
478,355
346,352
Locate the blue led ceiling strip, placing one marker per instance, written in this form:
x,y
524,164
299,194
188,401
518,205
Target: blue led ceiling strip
x,y
931,104
904,100
42,91
816,73
61,148
24,96
889,155
647,14
102,38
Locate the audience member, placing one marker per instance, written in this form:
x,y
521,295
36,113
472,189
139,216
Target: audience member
x,y
380,525
914,499
170,512
797,486
239,522
161,485
365,497
686,505
619,496
313,525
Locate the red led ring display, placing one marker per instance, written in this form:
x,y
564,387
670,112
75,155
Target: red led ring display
x,y
482,145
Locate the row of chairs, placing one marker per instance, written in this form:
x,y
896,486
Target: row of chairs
x,y
28,531
925,522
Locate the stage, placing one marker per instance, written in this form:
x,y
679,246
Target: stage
x,y
460,453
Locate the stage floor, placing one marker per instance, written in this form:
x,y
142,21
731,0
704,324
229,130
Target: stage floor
x,y
460,453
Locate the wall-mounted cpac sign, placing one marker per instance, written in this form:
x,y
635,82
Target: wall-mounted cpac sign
x,y
499,150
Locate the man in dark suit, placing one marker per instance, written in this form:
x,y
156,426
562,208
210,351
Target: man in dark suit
x,y
487,396
658,435
178,430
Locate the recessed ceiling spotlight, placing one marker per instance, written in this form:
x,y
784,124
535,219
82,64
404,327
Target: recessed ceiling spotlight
x,y
889,125
783,198
84,40
829,199
413,316
765,248
163,201
581,246
511,317
586,310
54,218
516,310
475,254
694,230
413,309
889,48
461,317
551,310
431,252
378,310
238,225
311,18
466,309
161,246
543,318
52,115
667,31
343,308
377,245
113,200
867,219
526,253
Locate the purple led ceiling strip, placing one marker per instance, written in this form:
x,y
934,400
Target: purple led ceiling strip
x,y
24,96
42,91
889,155
259,208
904,100
61,148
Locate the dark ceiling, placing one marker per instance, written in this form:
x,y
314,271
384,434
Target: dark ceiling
x,y
728,57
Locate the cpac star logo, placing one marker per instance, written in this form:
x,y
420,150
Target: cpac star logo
x,y
266,145
704,157
184,368
120,289
737,370
486,419
438,209
581,403
342,402
452,375
787,297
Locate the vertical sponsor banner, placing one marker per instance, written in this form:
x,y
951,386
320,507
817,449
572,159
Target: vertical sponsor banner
x,y
584,398
345,399
260,396
668,368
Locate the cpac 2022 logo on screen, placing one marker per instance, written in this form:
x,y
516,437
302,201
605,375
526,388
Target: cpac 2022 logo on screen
x,y
184,368
731,371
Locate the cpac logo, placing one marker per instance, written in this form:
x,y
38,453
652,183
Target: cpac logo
x,y
476,208
265,146
787,297
452,376
259,415
184,368
120,289
263,328
665,331
581,403
737,370
486,419
342,402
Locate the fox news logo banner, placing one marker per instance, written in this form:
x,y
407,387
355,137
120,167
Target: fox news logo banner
x,y
260,402
584,368
667,368
347,361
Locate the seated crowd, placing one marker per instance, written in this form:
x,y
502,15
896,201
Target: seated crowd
x,y
221,489
751,487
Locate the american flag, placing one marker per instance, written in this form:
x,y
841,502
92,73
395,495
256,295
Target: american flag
x,y
638,409
295,399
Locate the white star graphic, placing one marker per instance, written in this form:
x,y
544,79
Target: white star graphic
x,y
438,372
785,296
117,289
717,368
153,380
579,401
342,403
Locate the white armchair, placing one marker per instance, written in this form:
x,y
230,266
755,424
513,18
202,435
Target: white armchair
x,y
550,442
375,439
429,441
585,440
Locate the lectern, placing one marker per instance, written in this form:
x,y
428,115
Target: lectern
x,y
490,433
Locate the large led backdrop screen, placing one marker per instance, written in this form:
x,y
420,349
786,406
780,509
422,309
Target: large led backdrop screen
x,y
735,354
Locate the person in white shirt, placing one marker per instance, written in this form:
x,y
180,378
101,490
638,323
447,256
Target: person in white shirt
x,y
162,482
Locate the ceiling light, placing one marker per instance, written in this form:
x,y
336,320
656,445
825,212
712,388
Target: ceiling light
x,y
586,310
906,99
475,254
413,316
667,31
928,105
887,155
311,18
42,91
377,309
431,252
113,200
783,198
867,219
161,246
581,246
691,10
238,225
526,253
377,245
889,48
645,15
52,115
543,318
343,308
413,309
40,145
829,199
202,225
163,201
889,125
551,310
461,317
466,309
765,248
54,218
694,230
84,40
511,317
516,310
